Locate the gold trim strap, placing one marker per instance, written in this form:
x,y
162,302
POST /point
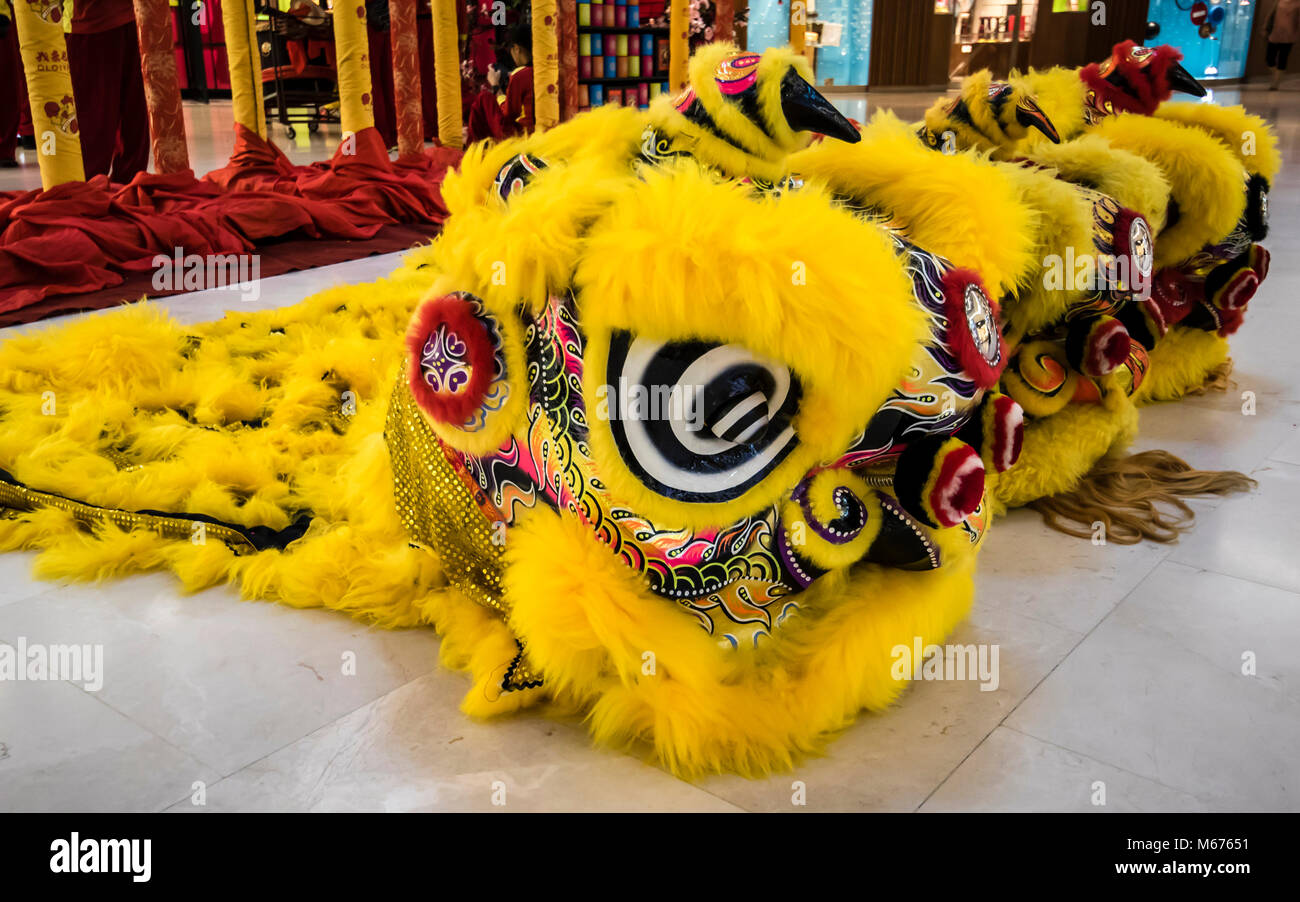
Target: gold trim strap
x,y
20,498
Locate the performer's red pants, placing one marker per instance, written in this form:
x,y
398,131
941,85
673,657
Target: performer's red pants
x,y
111,113
381,85
428,87
12,95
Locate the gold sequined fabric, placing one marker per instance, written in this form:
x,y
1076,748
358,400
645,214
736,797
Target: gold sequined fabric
x,y
20,498
441,512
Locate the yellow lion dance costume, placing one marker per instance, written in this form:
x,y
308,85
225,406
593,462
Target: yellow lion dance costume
x,y
681,424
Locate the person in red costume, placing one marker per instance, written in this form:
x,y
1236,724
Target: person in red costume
x,y
482,36
104,56
498,114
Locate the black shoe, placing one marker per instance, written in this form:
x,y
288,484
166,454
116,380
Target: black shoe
x,y
27,142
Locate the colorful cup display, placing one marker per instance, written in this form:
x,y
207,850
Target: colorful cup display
x,y
647,66
611,45
620,44
620,16
647,45
584,67
633,16
643,94
611,66
609,15
621,68
584,45
597,94
615,96
584,13
633,66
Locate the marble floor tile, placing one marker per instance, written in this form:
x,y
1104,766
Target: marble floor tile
x,y
1012,772
1158,690
1252,536
16,580
413,750
65,749
226,681
1069,582
893,760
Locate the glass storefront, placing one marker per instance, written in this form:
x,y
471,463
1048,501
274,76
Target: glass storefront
x,y
1213,35
988,34
839,31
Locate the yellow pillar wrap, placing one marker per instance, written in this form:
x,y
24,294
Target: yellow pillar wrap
x,y
679,44
49,89
245,64
546,65
798,25
352,50
446,71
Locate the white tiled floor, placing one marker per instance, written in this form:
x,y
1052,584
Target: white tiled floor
x,y
1121,667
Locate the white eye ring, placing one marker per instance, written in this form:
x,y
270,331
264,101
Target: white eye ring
x,y
721,434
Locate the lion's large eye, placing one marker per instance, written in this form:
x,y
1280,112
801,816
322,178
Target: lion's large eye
x,y
698,421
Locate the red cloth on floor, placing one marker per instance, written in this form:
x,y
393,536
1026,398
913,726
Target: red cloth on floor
x,y
108,87
80,237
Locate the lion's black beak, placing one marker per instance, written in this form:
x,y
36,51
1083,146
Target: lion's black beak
x,y
1034,117
807,111
1181,80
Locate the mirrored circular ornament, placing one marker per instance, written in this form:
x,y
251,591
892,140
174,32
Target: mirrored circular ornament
x,y
982,324
972,334
1141,247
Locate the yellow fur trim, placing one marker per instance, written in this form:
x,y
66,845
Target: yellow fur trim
x,y
758,155
821,503
1059,450
1065,220
987,133
1204,176
645,671
1134,181
518,256
956,205
1032,396
1060,93
1250,137
698,277
1181,362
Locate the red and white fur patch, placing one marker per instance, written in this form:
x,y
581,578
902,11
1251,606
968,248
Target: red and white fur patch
x,y
1107,348
959,487
1008,433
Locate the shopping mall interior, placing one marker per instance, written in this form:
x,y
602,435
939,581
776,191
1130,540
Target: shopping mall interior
x,y
383,609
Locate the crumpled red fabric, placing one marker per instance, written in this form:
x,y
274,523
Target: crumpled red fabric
x,y
84,236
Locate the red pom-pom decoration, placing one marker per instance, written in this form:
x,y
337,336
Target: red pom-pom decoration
x,y
449,358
